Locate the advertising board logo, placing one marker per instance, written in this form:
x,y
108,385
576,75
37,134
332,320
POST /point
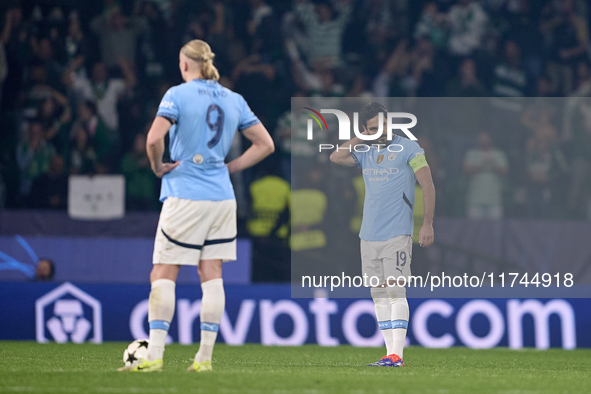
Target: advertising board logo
x,y
68,314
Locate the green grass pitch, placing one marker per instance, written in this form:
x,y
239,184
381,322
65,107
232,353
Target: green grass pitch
x,y
51,368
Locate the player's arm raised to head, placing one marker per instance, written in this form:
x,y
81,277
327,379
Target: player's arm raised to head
x,y
262,146
343,155
423,174
155,146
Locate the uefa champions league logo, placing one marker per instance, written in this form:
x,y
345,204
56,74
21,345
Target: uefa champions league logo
x,y
60,315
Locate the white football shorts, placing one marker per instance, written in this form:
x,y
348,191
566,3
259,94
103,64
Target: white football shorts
x,y
386,260
189,231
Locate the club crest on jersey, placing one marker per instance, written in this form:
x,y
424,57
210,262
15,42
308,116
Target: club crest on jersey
x,y
198,159
391,156
380,159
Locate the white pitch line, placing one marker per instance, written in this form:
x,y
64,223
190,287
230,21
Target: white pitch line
x,y
25,389
41,389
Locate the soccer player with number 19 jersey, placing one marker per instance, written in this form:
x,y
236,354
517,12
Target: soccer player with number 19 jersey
x,y
197,224
390,171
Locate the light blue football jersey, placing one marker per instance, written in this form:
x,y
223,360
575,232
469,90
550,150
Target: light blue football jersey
x,y
206,116
389,189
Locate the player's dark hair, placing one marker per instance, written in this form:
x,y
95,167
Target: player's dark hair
x,y
51,266
51,269
372,110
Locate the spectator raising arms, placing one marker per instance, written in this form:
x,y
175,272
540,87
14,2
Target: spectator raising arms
x,y
91,140
432,26
81,79
118,35
101,89
569,37
324,28
54,114
44,55
76,43
467,22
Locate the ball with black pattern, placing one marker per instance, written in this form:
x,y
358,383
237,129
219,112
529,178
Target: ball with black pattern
x,y
136,350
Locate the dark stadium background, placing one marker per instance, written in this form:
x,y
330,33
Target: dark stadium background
x,y
80,84
44,41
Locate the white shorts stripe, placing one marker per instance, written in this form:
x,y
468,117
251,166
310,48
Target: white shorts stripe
x,y
189,231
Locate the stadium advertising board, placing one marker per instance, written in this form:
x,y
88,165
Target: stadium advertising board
x,y
89,259
266,314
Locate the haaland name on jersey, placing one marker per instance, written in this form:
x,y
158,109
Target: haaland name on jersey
x,y
205,117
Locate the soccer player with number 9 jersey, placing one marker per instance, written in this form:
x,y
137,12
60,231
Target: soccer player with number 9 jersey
x,y
197,224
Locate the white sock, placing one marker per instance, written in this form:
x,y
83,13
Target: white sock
x,y
399,318
381,301
160,313
212,309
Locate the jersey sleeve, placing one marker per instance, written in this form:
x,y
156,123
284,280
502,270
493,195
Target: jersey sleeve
x,y
247,117
359,157
415,156
169,107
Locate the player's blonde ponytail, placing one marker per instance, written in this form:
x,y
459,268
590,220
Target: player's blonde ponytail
x,y
200,51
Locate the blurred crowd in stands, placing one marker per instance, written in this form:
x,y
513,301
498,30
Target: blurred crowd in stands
x,y
80,83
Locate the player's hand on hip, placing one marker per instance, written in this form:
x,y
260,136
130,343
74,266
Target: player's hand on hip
x,y
165,168
426,236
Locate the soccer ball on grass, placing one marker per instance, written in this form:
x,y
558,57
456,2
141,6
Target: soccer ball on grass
x,y
135,351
